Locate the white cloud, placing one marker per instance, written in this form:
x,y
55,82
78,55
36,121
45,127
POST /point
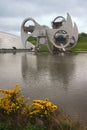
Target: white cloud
x,y
13,12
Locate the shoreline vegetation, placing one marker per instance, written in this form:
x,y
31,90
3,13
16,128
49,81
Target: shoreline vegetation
x,y
16,113
81,46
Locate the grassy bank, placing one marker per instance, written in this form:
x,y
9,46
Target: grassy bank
x,y
81,44
16,113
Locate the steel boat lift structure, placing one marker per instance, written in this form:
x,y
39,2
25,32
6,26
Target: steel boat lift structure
x,y
60,38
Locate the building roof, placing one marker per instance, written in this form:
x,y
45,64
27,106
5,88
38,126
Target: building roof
x,y
9,41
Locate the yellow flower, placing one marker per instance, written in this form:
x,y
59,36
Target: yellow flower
x,y
34,112
48,104
37,105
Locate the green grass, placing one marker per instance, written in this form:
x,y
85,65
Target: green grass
x,y
81,45
33,40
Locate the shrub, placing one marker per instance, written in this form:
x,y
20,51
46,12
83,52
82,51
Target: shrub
x,y
17,113
3,126
35,127
42,108
11,107
12,102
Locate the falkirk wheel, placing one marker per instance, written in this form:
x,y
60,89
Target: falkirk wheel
x,y
60,38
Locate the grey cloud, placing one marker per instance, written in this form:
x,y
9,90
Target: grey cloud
x,y
10,24
13,12
22,8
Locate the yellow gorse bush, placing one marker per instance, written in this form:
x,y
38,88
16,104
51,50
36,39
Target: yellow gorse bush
x,y
42,108
12,100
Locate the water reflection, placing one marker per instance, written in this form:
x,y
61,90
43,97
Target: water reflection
x,y
58,78
10,70
29,65
48,71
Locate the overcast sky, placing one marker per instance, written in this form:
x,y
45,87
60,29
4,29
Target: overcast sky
x,y
13,12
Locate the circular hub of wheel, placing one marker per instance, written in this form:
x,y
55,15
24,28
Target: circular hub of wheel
x,y
61,38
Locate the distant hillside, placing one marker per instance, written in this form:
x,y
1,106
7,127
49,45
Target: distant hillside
x,y
82,37
82,43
